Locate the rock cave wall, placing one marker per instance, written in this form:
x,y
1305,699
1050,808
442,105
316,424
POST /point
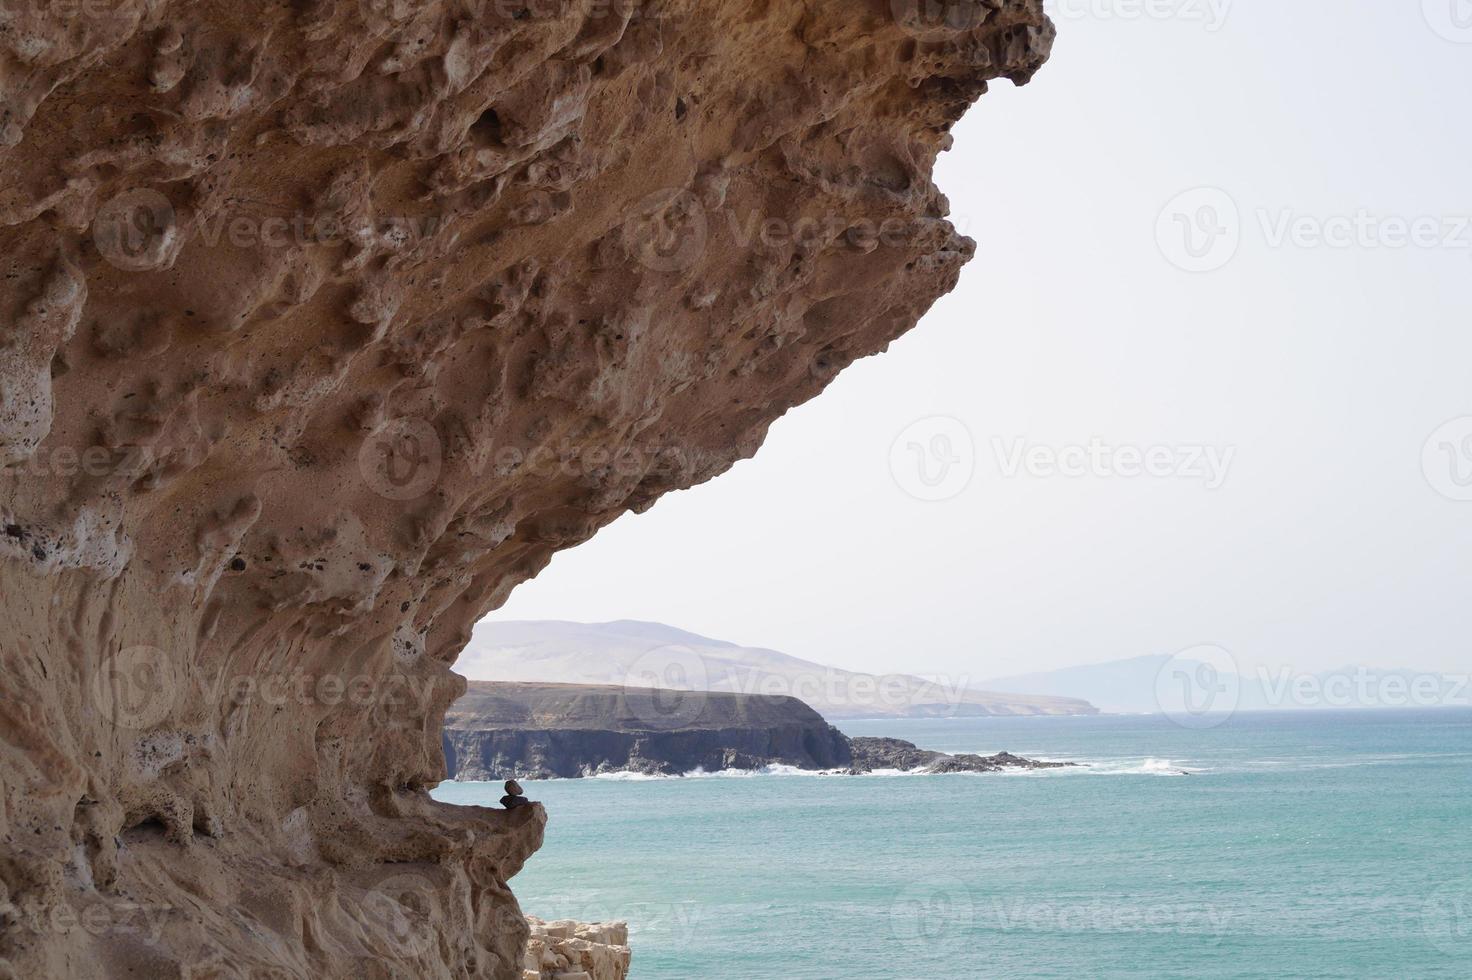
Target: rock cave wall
x,y
325,324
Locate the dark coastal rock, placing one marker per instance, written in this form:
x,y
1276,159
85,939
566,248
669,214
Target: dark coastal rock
x,y
870,754
541,731
991,763
889,753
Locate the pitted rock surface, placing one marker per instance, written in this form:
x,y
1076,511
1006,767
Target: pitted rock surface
x,y
323,325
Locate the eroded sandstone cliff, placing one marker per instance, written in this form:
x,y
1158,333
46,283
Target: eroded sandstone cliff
x,y
325,324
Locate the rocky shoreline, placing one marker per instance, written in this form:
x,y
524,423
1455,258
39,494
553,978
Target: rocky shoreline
x,y
873,754
505,731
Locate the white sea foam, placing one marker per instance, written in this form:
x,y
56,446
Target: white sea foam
x,y
1137,767
1080,766
772,770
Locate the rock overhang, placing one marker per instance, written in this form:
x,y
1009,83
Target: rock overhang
x,y
326,325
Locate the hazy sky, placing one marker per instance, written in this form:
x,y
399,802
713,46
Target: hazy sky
x,y
1305,372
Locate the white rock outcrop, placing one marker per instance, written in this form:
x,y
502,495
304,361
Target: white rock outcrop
x,y
567,950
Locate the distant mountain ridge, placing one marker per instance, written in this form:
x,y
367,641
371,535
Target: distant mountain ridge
x,y
640,654
1118,687
1136,686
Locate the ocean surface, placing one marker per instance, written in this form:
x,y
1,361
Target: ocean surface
x,y
1323,844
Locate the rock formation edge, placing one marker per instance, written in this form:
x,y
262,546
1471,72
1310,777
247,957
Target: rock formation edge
x,y
328,323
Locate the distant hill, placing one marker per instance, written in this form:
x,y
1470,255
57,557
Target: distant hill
x,y
1117,687
1136,686
521,706
653,655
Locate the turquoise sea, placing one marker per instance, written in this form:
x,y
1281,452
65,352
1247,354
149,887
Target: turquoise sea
x,y
1300,845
